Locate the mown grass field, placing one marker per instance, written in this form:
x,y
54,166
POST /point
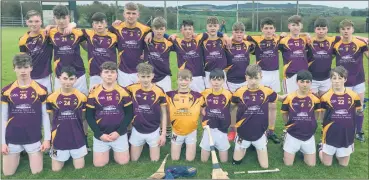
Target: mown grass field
x,y
142,169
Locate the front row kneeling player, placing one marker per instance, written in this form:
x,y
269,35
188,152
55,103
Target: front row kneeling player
x,y
23,115
340,106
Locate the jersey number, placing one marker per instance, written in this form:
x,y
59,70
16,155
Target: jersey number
x,y
341,101
215,101
109,98
253,98
23,96
66,103
64,39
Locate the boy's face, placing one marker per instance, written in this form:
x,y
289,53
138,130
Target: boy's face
x,y
253,82
304,85
99,26
109,76
131,16
187,32
62,22
34,23
295,28
338,81
216,83
145,79
184,83
321,32
347,31
159,32
212,29
268,30
23,72
238,35
66,81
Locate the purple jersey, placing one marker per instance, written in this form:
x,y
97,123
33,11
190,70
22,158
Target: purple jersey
x,y
350,56
320,57
239,58
100,48
41,51
67,128
157,54
130,45
147,107
25,113
214,54
266,52
252,113
301,118
217,108
339,118
109,106
67,50
190,54
294,55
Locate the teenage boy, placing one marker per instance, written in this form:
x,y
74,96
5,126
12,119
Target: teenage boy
x,y
23,114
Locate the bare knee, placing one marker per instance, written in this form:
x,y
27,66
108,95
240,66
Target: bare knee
x,y
100,163
287,162
8,173
122,161
190,158
264,165
327,163
311,164
56,169
344,164
36,171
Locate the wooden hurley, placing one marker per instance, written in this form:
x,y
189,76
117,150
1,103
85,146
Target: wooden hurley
x,y
160,173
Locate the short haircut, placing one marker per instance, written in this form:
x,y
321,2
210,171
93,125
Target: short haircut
x,y
345,23
321,22
159,22
340,70
212,20
98,16
304,75
69,70
60,11
267,21
184,74
144,68
131,6
32,13
22,60
238,26
187,23
109,66
294,19
216,74
253,70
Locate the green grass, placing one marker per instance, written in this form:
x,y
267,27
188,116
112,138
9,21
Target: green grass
x,y
358,167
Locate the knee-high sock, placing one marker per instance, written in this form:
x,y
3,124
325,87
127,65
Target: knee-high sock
x,y
359,123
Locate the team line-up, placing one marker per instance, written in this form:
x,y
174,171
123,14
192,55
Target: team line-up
x,y
130,104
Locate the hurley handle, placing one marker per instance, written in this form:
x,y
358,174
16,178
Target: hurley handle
x,y
211,141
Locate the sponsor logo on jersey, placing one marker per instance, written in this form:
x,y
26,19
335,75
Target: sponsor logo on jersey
x,y
302,114
23,106
109,108
67,113
341,111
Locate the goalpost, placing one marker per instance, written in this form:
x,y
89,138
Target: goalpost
x,y
230,16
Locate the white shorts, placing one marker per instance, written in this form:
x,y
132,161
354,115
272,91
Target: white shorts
x,y
29,148
260,144
292,145
81,84
290,84
340,152
119,145
321,86
271,79
125,79
165,84
47,82
207,80
94,80
64,155
360,88
139,139
233,86
197,84
188,139
220,140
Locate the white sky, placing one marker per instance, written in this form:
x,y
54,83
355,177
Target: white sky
x,y
337,4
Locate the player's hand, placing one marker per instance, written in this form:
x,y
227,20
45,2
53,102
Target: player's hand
x,y
203,112
162,140
282,97
148,38
67,30
142,56
194,35
4,149
45,146
283,34
47,30
228,42
105,138
92,88
173,37
117,22
114,135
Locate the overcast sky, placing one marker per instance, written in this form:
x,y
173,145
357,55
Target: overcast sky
x,y
338,4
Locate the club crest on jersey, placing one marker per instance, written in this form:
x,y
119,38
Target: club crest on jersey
x,y
75,102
